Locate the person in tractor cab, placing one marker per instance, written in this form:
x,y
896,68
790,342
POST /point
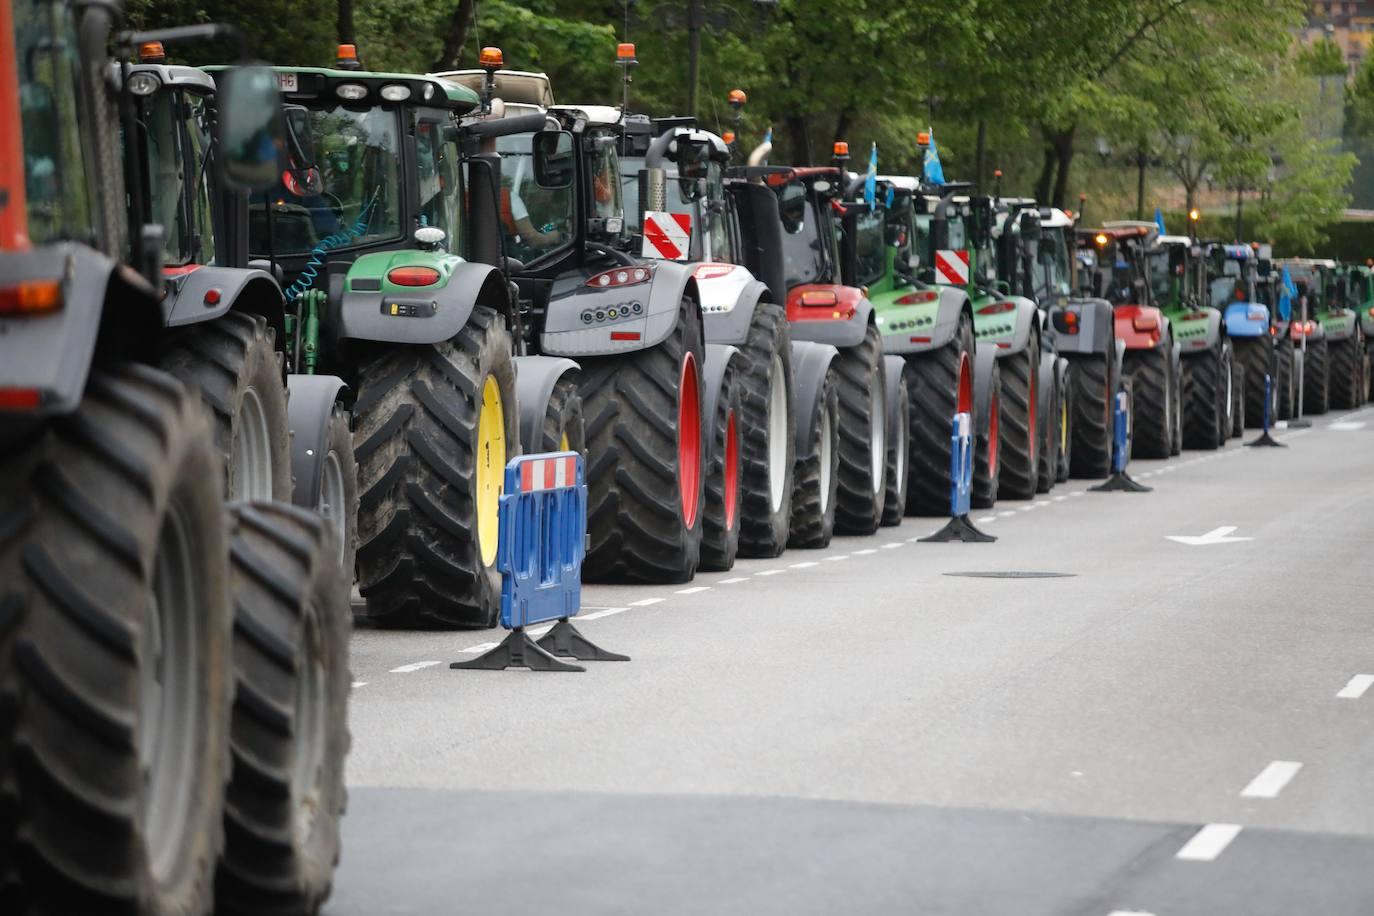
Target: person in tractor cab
x,y
535,220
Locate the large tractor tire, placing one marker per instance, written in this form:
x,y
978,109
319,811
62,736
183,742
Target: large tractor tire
x,y
1090,401
1176,386
898,449
933,380
768,448
720,536
1238,383
1256,356
565,427
863,435
646,458
1206,399
1316,378
233,362
817,476
434,427
1153,402
290,726
115,678
1347,372
1048,465
987,448
1285,378
1020,458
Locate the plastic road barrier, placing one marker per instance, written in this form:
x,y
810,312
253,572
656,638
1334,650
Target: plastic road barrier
x,y
959,528
1121,451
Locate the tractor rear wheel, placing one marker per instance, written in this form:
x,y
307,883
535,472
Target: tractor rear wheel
x,y
1153,402
1206,398
1090,422
863,435
894,500
768,447
115,679
337,499
290,726
1316,378
434,427
646,457
720,535
1020,457
817,475
1285,379
233,362
933,380
1347,372
564,429
987,448
1256,355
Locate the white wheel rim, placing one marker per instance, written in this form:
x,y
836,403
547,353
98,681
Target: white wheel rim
x,y
1229,402
331,501
825,460
904,428
777,432
878,423
250,454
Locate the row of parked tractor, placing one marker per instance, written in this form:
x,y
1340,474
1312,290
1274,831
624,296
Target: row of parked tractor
x,y
267,334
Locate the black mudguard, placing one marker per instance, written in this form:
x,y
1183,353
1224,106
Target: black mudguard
x,y
718,359
237,289
52,353
535,378
810,363
427,316
308,409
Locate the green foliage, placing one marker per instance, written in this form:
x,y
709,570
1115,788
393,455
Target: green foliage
x,y
309,39
1321,58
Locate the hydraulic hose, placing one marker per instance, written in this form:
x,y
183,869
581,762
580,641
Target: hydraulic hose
x,y
311,271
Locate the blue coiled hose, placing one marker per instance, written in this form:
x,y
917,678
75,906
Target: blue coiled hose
x,y
307,276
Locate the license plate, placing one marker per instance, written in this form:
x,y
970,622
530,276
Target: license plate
x,y
288,82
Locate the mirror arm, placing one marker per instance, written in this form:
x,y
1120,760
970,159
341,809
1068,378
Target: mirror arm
x,y
210,31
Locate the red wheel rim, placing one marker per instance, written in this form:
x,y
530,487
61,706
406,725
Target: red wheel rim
x,y
731,471
994,433
965,393
689,439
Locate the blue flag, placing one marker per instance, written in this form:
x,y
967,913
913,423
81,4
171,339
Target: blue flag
x,y
1287,294
935,173
1159,221
871,179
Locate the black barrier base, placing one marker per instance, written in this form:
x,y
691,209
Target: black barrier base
x,y
1266,440
959,528
517,650
565,640
1121,482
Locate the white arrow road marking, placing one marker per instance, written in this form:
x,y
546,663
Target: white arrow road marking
x,y
1220,535
1208,843
1271,780
1357,686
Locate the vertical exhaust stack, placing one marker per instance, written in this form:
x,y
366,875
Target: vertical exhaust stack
x,y
760,154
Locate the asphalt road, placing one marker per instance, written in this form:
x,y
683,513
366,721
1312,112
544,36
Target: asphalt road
x,y
1166,728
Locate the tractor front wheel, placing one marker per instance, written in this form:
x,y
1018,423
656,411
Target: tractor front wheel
x,y
1255,355
1316,378
987,447
768,433
1347,372
934,380
1020,458
863,434
720,535
817,474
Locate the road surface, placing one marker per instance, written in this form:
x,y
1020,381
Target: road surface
x,y
1163,727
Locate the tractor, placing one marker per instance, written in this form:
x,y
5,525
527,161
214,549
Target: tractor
x,y
1193,302
1346,335
173,670
1361,294
1237,281
1316,315
823,308
229,334
1116,262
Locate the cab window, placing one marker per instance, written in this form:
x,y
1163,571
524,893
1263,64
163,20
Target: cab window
x,y
869,248
439,185
606,199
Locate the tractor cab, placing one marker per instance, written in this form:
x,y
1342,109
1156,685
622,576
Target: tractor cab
x,y
1234,285
1315,281
1055,269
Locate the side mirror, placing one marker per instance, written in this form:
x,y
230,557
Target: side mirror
x,y
554,161
251,130
300,139
1030,227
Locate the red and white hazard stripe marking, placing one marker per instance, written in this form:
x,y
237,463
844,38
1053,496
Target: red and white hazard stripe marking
x,y
667,235
548,474
952,266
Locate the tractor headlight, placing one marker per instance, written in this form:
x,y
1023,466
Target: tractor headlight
x,y
352,92
144,84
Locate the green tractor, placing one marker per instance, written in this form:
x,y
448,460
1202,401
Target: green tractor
x,y
1317,313
1361,294
394,292
1193,294
1348,337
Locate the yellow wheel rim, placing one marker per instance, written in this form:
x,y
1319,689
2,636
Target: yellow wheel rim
x,y
491,468
1063,427
563,443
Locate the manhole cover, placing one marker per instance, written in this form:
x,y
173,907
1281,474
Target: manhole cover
x,y
1013,574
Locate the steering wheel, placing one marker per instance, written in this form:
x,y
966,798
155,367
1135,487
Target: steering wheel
x,y
614,254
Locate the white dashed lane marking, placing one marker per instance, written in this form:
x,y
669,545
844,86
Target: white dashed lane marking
x,y
891,546
357,684
733,581
1208,843
1272,779
645,602
604,612
843,556
770,572
693,590
413,666
804,565
1356,687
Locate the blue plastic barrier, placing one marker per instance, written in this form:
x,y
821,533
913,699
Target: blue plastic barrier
x,y
959,528
1121,451
543,517
1264,438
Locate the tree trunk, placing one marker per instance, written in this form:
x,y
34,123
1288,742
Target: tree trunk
x,y
1191,190
1063,148
980,153
801,139
455,37
346,35
1042,184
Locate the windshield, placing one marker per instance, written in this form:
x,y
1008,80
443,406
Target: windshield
x,y
1227,287
1163,275
1052,278
176,137
352,196
535,220
869,248
804,243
